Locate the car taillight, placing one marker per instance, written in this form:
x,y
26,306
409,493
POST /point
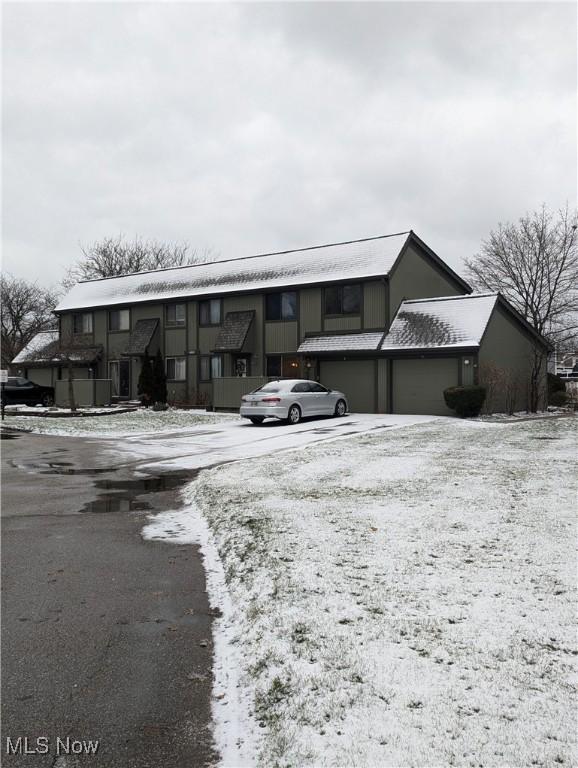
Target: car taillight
x,y
243,399
271,400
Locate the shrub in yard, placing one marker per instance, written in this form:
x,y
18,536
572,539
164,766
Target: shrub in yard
x,y
159,380
558,398
465,401
555,384
145,382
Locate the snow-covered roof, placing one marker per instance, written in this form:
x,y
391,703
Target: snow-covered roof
x,y
43,349
342,342
40,347
447,321
356,259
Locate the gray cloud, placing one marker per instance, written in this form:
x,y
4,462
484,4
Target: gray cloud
x,y
252,127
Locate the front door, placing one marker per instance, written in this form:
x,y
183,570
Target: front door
x,y
124,378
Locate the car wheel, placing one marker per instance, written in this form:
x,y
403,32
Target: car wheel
x,y
294,415
340,408
256,419
47,401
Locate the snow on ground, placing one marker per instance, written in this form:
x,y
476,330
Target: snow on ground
x,y
116,425
401,598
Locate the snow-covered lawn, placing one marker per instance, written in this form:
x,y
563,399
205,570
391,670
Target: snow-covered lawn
x,y
402,598
137,422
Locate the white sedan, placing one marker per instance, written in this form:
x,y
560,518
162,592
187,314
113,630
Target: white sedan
x,y
292,400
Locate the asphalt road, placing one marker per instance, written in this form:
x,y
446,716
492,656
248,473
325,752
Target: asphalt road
x,y
105,637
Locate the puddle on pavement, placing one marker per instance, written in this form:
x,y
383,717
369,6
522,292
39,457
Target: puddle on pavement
x,y
125,495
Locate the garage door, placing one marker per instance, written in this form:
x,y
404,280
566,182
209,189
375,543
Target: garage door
x,y
418,385
355,378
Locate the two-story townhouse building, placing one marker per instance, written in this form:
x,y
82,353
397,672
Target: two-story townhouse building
x,y
324,313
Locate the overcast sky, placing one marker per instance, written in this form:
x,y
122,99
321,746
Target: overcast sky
x,y
249,128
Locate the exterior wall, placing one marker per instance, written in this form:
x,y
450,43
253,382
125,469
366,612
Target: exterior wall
x,y
310,312
416,277
281,337
227,393
507,347
345,323
375,304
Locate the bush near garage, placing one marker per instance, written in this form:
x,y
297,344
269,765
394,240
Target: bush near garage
x,y
465,401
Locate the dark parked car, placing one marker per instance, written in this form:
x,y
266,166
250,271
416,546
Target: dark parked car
x,y
20,391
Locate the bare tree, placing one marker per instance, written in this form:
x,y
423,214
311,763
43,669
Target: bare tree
x,y
534,264
26,309
115,256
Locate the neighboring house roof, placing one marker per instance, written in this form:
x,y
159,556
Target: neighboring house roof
x,y
38,348
234,330
449,321
352,260
140,337
43,350
342,342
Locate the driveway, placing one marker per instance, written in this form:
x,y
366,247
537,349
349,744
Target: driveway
x,y
105,636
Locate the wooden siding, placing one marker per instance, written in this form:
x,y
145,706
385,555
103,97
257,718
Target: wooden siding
x,y
506,346
280,337
374,305
310,320
175,342
345,323
416,277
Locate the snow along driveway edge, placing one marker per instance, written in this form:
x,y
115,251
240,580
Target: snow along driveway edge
x,y
234,728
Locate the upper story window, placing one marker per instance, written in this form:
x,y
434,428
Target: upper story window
x,y
176,368
119,320
343,300
281,306
210,312
175,314
82,322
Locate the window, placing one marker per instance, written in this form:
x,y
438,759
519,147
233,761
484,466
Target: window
x,y
210,312
216,367
119,320
343,300
281,306
302,386
205,369
319,388
282,367
211,367
82,322
175,314
176,368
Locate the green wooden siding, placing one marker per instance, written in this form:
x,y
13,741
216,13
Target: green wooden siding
x,y
415,277
310,311
175,342
507,348
345,323
280,337
374,304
